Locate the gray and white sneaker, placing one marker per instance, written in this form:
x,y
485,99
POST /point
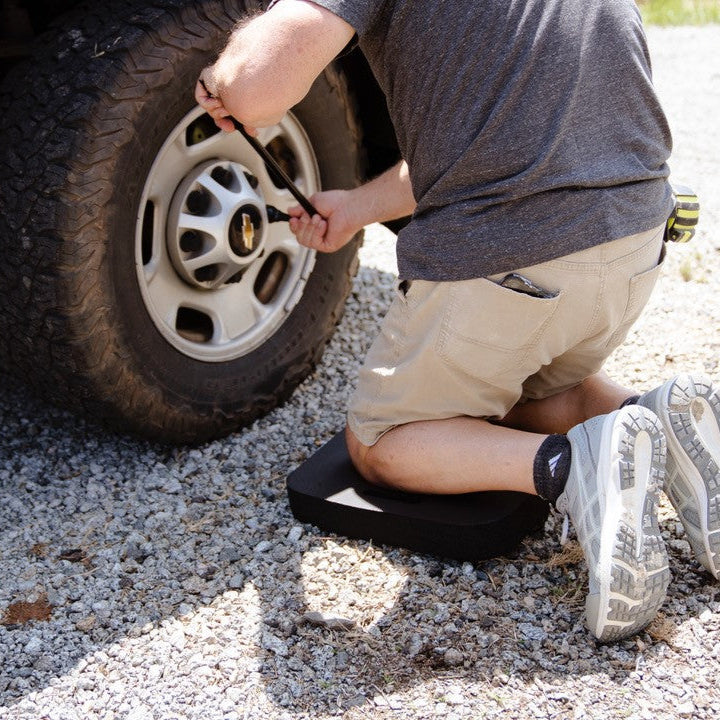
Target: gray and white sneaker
x,y
611,496
689,409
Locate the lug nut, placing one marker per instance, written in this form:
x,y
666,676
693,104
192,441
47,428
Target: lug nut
x,y
198,202
222,176
274,215
190,242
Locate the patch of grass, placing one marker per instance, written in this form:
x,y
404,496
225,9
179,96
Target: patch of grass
x,y
686,270
571,554
680,12
662,629
692,268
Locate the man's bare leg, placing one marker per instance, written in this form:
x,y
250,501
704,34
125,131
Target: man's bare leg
x,y
464,454
596,395
456,455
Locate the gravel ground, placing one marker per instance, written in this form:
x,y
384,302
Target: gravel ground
x,y
175,583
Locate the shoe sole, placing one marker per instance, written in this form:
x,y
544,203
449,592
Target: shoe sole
x,y
633,568
689,409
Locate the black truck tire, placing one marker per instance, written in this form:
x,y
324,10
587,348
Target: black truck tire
x,y
91,214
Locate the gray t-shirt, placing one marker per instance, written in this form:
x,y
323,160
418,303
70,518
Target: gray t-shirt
x,y
531,129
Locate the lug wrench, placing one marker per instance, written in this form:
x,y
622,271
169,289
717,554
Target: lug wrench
x,y
270,161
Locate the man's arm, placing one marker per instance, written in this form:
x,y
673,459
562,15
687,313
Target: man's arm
x,y
388,197
270,62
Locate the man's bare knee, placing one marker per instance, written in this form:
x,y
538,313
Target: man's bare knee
x,y
368,461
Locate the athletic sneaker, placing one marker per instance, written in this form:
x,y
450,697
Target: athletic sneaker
x,y
689,409
611,496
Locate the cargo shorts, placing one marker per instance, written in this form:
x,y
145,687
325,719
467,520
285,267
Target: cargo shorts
x,y
476,348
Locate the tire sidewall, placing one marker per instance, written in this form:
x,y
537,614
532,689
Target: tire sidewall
x,y
262,373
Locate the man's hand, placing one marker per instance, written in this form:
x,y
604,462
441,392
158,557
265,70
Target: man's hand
x,y
388,197
270,63
331,233
213,105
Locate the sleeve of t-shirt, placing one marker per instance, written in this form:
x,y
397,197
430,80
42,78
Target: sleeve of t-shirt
x,y
358,13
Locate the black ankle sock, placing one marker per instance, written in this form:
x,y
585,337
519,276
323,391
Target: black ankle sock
x,y
630,401
552,467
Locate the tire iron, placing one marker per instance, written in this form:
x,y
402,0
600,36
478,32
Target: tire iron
x,y
274,215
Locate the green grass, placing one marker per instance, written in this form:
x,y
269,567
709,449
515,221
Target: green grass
x,y
680,12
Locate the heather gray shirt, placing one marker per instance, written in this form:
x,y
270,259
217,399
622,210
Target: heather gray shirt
x,y
530,127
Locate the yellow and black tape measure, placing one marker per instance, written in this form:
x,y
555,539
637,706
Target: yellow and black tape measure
x,y
681,224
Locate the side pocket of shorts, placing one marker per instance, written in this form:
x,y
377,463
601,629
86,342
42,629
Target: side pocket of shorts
x,y
488,330
640,290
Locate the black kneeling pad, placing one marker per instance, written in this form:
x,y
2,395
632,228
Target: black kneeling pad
x,y
327,491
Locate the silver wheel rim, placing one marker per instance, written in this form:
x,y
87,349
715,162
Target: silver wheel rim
x,y
219,281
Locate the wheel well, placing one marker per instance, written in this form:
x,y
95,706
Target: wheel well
x,y
379,141
21,21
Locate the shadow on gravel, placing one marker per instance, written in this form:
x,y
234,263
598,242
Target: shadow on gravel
x,y
123,539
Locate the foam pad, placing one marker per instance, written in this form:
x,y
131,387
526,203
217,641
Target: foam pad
x,y
327,491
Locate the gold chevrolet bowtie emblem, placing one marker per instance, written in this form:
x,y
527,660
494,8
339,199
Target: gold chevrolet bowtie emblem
x,y
248,232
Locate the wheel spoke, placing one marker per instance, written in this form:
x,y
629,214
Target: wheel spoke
x,y
257,167
214,256
279,239
227,145
234,311
167,292
268,134
226,198
213,225
177,160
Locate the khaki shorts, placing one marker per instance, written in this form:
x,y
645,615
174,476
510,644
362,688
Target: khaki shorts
x,y
474,348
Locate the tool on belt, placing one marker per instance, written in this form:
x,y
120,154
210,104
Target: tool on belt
x,y
681,223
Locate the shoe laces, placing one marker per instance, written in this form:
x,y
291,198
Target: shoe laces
x,y
565,530
562,507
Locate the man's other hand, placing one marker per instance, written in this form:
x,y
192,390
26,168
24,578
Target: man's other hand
x,y
333,230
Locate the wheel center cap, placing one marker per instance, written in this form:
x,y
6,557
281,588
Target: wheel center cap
x,y
244,233
216,225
